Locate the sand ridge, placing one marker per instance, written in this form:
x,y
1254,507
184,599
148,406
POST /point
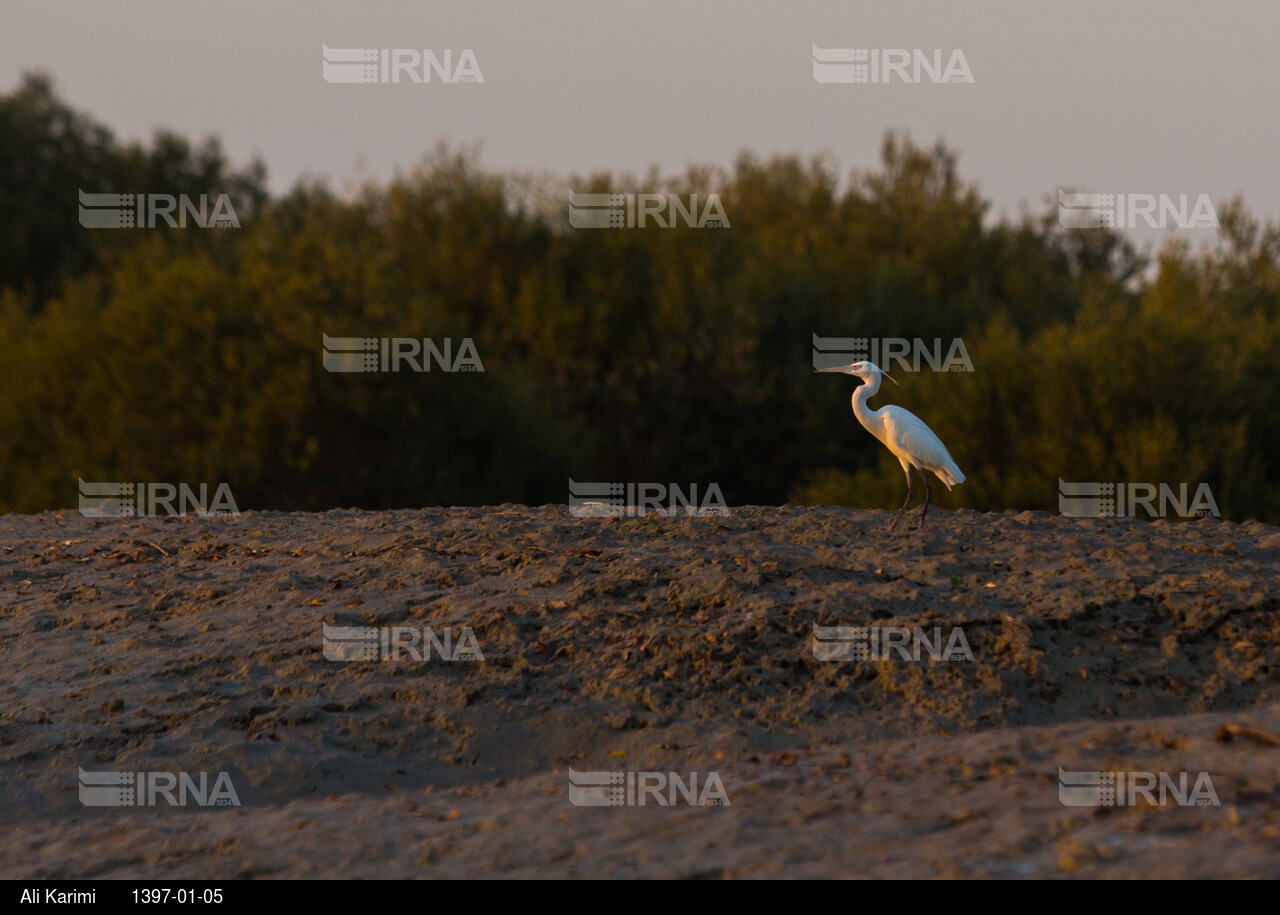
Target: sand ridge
x,y
680,644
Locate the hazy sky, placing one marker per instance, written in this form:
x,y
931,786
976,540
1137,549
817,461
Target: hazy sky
x,y
1173,98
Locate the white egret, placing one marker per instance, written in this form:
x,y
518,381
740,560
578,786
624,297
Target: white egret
x,y
912,442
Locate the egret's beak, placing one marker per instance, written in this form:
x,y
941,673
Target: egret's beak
x,y
842,369
890,377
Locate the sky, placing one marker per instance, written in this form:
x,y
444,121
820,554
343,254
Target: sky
x,y
1105,97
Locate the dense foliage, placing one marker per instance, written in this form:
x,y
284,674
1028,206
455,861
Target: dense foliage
x,y
673,355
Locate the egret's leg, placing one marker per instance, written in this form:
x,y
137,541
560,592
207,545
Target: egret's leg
x,y
928,491
911,493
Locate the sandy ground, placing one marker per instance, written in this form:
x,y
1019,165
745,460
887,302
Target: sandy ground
x,y
638,645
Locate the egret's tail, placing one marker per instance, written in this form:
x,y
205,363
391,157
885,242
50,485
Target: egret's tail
x,y
950,474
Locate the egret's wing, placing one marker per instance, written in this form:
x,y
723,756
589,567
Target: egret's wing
x,y
908,435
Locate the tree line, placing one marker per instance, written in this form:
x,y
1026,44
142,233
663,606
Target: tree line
x,y
678,354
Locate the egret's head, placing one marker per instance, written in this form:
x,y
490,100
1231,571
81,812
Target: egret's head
x,y
864,370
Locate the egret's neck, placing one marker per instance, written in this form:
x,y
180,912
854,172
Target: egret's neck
x,y
865,414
